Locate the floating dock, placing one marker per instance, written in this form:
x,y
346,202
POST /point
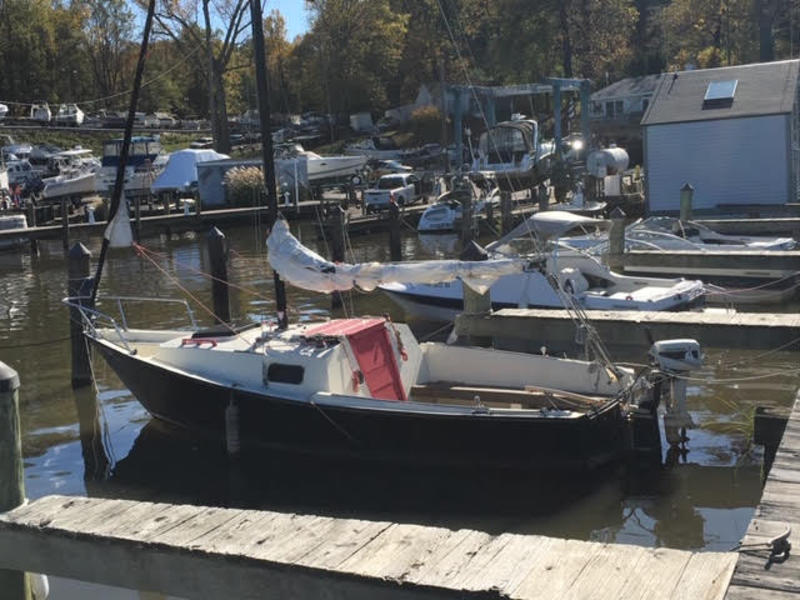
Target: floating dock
x,y
529,329
202,552
758,574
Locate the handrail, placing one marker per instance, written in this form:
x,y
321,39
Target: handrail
x,y
91,316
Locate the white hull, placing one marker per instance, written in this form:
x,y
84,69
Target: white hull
x,y
63,185
532,290
334,167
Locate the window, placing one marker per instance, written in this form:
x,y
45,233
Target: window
x,y
281,373
719,94
610,110
645,103
619,107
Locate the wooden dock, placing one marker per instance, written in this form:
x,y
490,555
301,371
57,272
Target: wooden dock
x,y
528,329
202,552
756,574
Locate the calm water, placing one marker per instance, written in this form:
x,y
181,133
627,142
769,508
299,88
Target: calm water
x,y
701,500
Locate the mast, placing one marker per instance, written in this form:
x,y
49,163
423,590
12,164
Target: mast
x,y
262,89
116,194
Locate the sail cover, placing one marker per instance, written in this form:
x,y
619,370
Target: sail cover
x,y
306,269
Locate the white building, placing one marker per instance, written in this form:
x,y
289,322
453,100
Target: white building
x,y
733,133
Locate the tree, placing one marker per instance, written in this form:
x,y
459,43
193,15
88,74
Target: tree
x,y
108,33
210,53
354,47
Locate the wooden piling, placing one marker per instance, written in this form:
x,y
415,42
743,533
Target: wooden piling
x,y
687,196
65,224
137,218
14,584
336,222
218,259
507,219
616,240
79,288
467,232
31,224
395,244
542,195
474,302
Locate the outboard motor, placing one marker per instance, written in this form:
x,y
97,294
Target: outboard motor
x,y
674,360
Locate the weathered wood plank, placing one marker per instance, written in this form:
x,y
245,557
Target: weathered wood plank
x,y
706,576
206,552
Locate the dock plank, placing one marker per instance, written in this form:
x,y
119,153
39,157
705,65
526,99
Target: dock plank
x,y
779,509
203,552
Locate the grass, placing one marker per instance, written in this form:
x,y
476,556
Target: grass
x,y
65,138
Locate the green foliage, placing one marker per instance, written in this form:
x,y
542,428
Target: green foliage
x,y
245,187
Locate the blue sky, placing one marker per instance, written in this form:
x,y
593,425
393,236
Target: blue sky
x,y
294,11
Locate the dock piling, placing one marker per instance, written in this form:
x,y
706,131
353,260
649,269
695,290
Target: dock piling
x,y
467,218
336,222
395,246
137,218
65,224
79,285
616,240
32,223
687,196
507,219
474,302
218,257
14,584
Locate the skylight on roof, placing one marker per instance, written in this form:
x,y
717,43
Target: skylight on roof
x,y
720,91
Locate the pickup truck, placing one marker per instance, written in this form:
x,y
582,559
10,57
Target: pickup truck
x,y
405,188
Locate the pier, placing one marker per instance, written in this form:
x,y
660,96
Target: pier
x,y
766,569
528,329
202,552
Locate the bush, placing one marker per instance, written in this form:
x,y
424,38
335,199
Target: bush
x,y
245,187
426,122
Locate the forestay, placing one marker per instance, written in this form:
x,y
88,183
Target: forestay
x,y
305,268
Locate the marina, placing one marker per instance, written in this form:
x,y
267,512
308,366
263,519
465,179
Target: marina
x,y
399,323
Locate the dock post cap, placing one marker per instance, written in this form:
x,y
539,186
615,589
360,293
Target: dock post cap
x,y
78,250
9,378
687,187
214,232
618,213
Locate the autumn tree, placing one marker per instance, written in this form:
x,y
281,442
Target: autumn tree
x,y
108,34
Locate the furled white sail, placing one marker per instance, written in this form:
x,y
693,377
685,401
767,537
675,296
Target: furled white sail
x,y
118,231
306,269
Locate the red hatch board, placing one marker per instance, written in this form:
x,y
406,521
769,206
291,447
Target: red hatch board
x,y
372,348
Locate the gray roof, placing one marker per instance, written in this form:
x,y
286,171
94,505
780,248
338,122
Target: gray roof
x,y
630,86
763,89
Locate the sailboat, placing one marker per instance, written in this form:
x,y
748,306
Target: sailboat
x,y
365,387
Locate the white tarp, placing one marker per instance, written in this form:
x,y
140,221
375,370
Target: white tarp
x,y
180,174
306,269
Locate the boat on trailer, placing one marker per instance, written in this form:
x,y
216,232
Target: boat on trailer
x,y
366,388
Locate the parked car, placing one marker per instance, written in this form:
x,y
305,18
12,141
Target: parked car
x,y
165,120
403,188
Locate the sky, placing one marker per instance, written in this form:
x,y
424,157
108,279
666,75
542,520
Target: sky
x,y
294,11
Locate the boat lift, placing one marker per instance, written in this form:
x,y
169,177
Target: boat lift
x,y
459,99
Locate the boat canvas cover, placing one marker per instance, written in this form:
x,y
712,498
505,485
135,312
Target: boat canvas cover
x,y
546,225
306,269
181,170
370,344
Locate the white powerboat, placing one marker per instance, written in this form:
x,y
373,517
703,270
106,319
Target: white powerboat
x,y
444,215
726,284
146,161
588,282
77,172
324,168
9,222
514,154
